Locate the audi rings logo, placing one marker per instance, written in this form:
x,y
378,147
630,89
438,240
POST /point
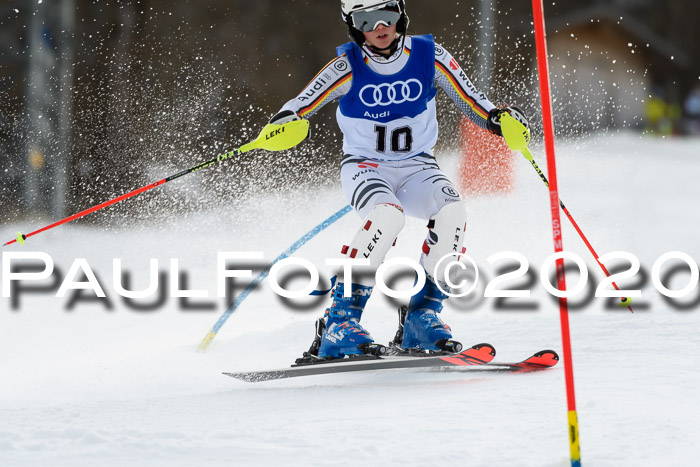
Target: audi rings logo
x,y
397,92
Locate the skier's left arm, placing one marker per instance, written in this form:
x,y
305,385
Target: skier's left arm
x,y
473,103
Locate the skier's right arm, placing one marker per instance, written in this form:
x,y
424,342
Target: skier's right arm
x,y
332,82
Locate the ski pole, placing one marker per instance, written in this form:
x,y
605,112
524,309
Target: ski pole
x,y
263,275
272,138
517,137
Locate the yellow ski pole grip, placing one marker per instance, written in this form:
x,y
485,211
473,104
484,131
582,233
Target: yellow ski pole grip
x,y
275,137
516,134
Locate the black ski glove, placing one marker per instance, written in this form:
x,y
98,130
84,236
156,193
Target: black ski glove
x,y
493,124
285,116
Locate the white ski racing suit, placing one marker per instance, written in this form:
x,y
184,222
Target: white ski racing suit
x,y
388,118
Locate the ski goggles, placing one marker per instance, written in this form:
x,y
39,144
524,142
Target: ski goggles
x,y
367,21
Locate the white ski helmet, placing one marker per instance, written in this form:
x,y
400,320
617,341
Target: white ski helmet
x,y
365,15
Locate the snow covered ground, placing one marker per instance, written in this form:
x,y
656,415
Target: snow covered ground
x,y
112,386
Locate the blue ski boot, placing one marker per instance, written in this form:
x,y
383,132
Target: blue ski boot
x,y
343,334
422,328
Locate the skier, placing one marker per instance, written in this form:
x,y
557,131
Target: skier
x,y
385,82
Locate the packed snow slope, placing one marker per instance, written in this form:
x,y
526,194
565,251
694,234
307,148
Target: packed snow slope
x,y
87,382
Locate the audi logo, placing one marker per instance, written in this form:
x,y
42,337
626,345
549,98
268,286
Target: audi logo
x,y
397,92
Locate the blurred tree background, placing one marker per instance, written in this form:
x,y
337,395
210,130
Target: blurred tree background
x,y
99,97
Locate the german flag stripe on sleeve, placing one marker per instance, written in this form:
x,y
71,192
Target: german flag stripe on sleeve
x,y
460,90
322,70
310,108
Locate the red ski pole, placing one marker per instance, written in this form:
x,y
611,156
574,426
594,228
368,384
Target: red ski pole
x,y
272,138
624,301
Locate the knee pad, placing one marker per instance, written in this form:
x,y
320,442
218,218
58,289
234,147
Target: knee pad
x,y
376,236
445,236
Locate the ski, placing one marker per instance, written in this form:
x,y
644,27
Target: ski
x,y
477,357
540,361
479,354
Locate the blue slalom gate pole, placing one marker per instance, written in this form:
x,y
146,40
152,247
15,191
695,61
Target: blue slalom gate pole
x,y
263,275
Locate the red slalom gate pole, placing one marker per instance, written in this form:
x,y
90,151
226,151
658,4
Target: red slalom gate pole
x,y
545,95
